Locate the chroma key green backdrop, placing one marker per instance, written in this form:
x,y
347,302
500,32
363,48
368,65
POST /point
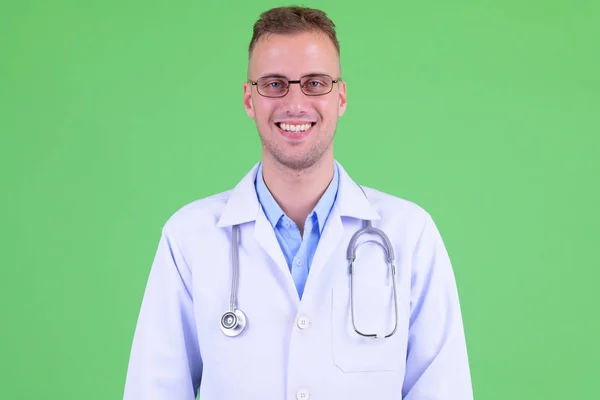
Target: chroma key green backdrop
x,y
113,114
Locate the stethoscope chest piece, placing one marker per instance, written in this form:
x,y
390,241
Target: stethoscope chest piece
x,y
233,323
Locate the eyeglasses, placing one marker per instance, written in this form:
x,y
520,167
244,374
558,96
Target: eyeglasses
x,y
279,86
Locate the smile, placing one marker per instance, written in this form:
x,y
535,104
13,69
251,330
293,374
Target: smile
x,y
295,132
294,127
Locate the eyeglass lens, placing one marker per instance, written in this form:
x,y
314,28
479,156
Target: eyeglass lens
x,y
312,85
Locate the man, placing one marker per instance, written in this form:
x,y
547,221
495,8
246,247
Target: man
x,y
250,296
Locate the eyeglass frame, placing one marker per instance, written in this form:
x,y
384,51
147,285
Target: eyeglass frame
x,y
290,82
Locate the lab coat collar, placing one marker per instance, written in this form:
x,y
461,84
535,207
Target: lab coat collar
x,y
243,205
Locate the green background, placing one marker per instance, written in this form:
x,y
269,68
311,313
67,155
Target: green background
x,y
113,114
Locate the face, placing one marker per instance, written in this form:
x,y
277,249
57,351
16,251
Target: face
x,y
282,122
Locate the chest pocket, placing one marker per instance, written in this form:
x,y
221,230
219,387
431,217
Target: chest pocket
x,y
373,314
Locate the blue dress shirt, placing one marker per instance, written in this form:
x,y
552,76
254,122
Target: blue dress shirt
x,y
298,250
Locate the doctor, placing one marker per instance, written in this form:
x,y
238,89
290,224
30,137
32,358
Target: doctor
x,y
250,295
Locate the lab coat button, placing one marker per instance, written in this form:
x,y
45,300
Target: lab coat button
x,y
303,394
303,323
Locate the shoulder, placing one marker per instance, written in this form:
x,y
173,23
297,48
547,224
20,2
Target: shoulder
x,y
391,206
405,220
199,214
408,219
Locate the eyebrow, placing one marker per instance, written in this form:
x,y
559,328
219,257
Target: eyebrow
x,y
273,76
277,75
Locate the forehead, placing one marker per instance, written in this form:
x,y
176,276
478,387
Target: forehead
x,y
294,55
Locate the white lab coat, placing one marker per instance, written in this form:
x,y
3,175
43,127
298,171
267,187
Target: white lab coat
x,y
294,349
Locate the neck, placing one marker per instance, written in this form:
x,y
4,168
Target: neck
x,y
298,191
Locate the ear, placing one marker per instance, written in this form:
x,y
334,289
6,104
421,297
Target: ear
x,y
342,98
248,100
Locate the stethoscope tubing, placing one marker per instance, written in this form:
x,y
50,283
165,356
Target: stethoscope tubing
x,y
233,322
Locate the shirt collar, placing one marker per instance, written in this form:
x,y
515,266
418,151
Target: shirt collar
x,y
240,204
274,212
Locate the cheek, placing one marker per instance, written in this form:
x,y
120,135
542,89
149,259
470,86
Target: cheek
x,y
328,110
263,111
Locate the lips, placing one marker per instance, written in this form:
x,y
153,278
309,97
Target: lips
x,y
295,127
295,130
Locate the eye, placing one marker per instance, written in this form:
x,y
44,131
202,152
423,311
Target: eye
x,y
273,83
313,84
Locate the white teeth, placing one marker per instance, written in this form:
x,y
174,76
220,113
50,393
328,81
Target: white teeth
x,y
295,128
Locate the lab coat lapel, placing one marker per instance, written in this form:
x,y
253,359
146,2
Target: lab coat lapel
x,y
329,241
265,237
350,202
243,206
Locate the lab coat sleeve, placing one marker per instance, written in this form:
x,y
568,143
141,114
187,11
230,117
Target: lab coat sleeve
x,y
165,361
437,366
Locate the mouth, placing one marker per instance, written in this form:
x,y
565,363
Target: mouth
x,y
295,131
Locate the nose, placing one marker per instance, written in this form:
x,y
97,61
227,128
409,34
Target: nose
x,y
295,102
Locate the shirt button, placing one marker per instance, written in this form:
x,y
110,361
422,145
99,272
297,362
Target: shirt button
x,y
302,394
303,322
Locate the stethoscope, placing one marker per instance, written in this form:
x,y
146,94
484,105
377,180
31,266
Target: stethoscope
x,y
234,321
